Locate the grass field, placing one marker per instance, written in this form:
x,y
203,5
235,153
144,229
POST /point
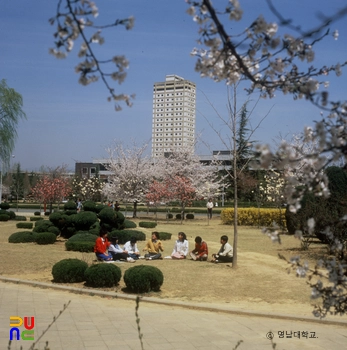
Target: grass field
x,y
260,282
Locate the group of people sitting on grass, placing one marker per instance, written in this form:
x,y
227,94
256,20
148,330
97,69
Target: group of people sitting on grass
x,y
111,251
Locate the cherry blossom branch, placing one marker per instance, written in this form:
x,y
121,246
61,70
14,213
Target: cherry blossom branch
x,y
72,24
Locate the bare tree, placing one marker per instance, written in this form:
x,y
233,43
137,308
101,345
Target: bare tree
x,y
237,140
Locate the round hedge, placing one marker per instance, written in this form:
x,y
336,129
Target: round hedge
x,y
165,236
129,224
58,219
89,206
70,205
190,216
45,238
84,220
81,242
69,271
99,207
70,212
10,213
42,226
169,216
4,206
108,216
4,217
125,235
95,228
102,275
22,237
143,278
28,225
36,218
147,224
37,213
20,218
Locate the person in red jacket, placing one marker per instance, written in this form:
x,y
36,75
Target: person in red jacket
x,y
101,246
201,251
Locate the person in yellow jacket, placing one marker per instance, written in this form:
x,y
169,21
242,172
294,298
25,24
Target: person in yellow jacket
x,y
153,247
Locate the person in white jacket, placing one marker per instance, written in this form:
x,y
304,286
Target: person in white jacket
x,y
131,248
225,253
181,247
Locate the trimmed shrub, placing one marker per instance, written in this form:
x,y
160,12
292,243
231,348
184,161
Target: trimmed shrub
x,y
143,278
4,206
108,216
22,237
99,207
20,218
47,213
169,216
70,212
45,238
129,224
11,214
4,217
54,230
190,216
58,219
95,228
165,236
69,271
89,206
28,225
36,218
68,232
125,235
178,216
70,205
42,226
81,242
84,220
37,213
147,224
254,217
111,219
102,275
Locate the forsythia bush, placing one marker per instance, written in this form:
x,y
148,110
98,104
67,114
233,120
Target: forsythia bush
x,y
254,217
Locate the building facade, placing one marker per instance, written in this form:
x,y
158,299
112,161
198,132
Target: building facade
x,y
173,122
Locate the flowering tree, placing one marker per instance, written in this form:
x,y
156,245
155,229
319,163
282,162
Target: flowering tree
x,y
270,62
87,189
158,192
271,189
132,172
49,190
187,178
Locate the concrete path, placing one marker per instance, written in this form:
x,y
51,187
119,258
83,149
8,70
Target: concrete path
x,y
94,322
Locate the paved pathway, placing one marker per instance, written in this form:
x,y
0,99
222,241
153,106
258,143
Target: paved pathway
x,y
93,322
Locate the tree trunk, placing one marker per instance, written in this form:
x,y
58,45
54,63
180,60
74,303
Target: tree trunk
x,y
135,209
235,181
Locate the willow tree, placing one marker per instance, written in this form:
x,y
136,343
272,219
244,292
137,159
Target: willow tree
x,y
11,112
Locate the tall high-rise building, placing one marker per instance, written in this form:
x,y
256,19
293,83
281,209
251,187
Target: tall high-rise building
x,y
173,122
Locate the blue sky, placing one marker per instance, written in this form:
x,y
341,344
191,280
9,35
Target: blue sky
x,y
68,122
